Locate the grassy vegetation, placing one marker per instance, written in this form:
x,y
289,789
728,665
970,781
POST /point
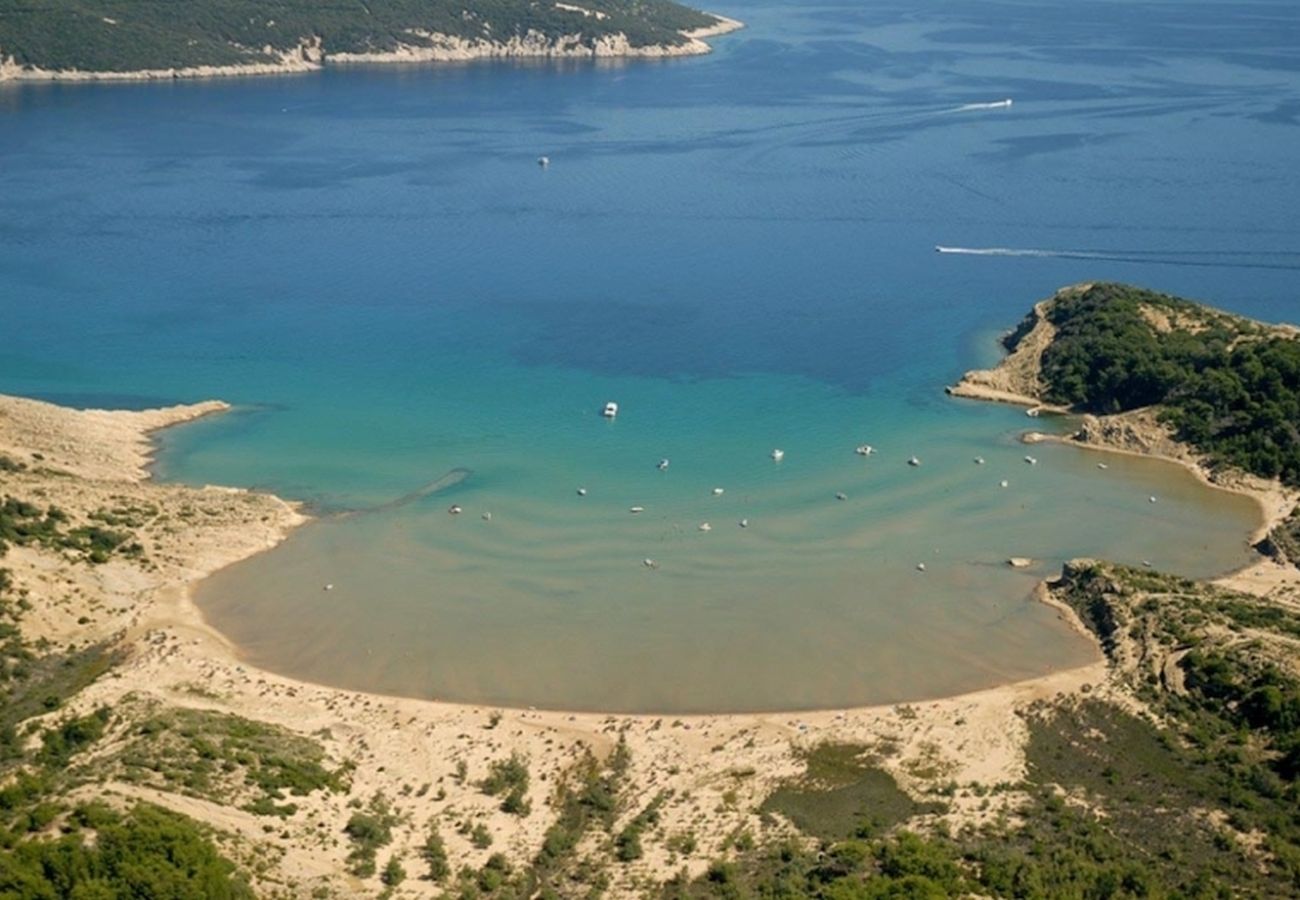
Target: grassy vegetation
x,y
26,524
434,854
508,778
1210,790
627,844
34,683
588,798
1227,386
368,830
843,793
126,35
227,758
52,849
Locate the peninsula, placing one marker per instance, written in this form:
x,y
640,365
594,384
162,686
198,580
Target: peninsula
x,y
79,40
139,753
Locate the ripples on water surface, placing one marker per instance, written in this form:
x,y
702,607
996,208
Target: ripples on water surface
x,y
740,250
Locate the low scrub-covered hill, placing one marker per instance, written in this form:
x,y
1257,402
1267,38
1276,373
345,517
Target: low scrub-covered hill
x,y
1227,386
134,35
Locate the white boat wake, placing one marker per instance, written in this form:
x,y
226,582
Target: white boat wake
x,y
995,104
1000,251
1198,258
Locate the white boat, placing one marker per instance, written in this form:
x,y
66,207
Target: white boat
x,y
663,464
913,461
778,455
1031,460
611,410
717,492
543,161
705,526
865,450
636,509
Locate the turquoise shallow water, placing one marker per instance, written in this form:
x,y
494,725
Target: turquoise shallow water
x,y
739,250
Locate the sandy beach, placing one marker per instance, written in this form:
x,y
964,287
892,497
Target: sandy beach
x,y
715,769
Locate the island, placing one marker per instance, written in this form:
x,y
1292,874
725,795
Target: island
x,y
79,40
139,754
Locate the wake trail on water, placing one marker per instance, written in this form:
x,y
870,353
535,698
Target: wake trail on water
x,y
1225,259
971,107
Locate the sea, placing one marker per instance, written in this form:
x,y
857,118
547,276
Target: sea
x,y
412,316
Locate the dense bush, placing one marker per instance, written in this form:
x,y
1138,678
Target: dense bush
x,y
1228,387
147,852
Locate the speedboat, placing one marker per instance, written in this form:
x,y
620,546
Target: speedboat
x,y
611,410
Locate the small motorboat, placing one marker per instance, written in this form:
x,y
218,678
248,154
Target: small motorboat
x,y
636,509
913,462
1031,460
865,450
543,161
778,455
717,492
611,410
705,526
840,495
582,492
663,464
744,523
455,509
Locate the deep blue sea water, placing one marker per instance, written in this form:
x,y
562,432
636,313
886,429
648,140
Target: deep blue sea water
x,y
739,249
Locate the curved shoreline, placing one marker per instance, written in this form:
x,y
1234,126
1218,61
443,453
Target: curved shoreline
x,y
181,609
309,56
1015,380
177,659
